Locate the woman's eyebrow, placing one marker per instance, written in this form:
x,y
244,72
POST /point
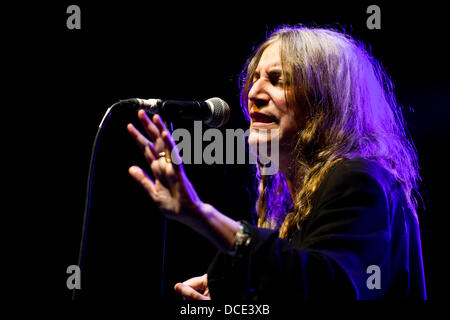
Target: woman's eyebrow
x,y
275,72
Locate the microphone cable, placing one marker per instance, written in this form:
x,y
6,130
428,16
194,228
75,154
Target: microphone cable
x,y
87,200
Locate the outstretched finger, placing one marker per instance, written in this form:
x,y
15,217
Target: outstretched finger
x,y
159,123
150,128
146,146
144,180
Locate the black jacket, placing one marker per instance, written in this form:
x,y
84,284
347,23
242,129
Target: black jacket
x,y
360,230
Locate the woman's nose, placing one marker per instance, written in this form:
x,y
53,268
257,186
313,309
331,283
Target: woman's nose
x,y
257,95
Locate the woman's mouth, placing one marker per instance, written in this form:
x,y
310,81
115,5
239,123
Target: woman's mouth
x,y
262,120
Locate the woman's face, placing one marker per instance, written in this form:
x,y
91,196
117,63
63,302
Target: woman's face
x,y
268,106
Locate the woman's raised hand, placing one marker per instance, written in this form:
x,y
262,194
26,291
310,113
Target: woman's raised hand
x,y
170,190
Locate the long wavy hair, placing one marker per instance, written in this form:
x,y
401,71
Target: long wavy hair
x,y
350,111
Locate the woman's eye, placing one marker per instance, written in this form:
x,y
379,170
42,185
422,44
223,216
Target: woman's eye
x,y
255,77
275,77
276,81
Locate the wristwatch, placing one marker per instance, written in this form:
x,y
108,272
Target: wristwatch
x,y
242,239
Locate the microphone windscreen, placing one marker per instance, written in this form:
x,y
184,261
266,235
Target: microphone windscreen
x,y
220,112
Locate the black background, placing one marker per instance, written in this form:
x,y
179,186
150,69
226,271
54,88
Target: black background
x,y
68,78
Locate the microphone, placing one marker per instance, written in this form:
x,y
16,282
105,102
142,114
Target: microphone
x,y
214,112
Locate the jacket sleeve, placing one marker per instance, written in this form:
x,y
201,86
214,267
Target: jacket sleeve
x,y
342,251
